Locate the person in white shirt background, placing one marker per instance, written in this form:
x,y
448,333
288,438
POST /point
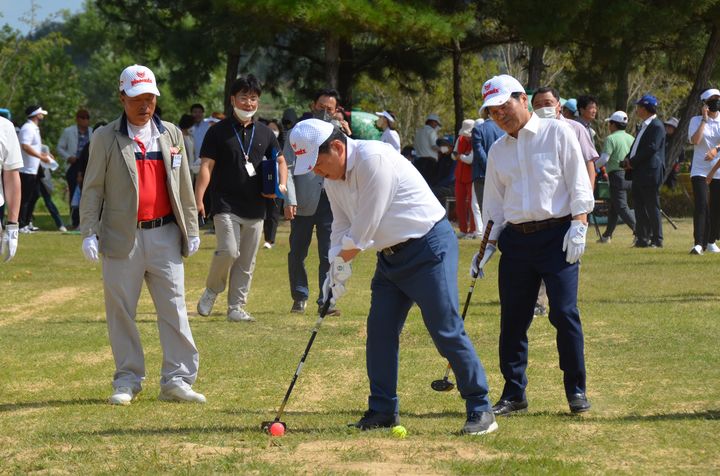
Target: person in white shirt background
x,y
426,148
386,122
10,164
380,201
538,193
704,134
32,155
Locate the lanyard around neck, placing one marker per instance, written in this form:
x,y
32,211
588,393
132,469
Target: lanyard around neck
x,y
242,148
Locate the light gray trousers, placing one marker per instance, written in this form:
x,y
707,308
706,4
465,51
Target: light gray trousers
x,y
157,260
238,240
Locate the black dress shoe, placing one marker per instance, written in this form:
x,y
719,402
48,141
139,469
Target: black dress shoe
x,y
578,403
641,244
507,407
372,419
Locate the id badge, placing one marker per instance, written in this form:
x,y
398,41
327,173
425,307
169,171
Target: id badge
x,y
176,160
250,169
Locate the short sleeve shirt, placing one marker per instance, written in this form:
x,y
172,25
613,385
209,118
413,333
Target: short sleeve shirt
x,y
711,138
10,155
30,135
617,147
232,189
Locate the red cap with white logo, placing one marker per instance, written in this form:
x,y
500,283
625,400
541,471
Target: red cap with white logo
x,y
305,139
497,90
136,80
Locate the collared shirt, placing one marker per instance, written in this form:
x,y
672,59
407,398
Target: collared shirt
x,y
617,146
391,137
582,133
382,201
30,135
83,140
710,138
539,175
645,123
425,142
10,154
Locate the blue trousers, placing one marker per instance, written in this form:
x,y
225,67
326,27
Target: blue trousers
x,y
301,231
525,260
424,272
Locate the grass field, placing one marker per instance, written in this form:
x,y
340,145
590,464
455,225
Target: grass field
x,y
651,320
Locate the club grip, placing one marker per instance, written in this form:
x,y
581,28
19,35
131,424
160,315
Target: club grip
x,y
485,238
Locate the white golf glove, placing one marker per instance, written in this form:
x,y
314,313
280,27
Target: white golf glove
x,y
193,245
90,248
574,241
9,241
339,273
476,268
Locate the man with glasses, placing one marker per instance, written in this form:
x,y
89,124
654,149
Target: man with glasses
x,y
538,193
72,141
231,153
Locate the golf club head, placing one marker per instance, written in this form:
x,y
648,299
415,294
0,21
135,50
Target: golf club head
x,y
442,385
265,426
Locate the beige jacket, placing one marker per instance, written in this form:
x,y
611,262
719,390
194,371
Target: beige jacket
x,y
109,203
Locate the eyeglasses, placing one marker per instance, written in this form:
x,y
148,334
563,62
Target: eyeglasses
x,y
248,99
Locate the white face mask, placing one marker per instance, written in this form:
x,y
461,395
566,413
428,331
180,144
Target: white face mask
x,y
546,112
277,133
244,115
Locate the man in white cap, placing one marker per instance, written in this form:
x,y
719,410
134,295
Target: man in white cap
x,y
426,148
10,164
386,123
32,155
617,147
538,193
380,201
138,211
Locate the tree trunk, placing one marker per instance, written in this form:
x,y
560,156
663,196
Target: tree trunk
x,y
535,67
231,71
622,74
692,106
346,74
457,85
332,59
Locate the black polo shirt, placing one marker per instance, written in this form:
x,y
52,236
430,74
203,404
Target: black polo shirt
x,y
231,189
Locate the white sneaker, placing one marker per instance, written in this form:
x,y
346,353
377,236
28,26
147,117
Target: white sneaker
x,y
696,250
62,229
33,227
122,396
267,245
712,248
26,230
238,314
181,393
206,302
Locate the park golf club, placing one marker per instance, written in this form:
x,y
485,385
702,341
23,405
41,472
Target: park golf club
x,y
444,384
265,426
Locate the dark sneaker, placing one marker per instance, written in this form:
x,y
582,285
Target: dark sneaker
x,y
507,407
480,423
332,310
372,419
298,307
604,239
578,403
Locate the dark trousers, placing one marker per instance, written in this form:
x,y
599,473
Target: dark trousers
x,y
618,202
648,227
49,204
706,217
525,260
29,195
71,179
272,217
301,231
423,272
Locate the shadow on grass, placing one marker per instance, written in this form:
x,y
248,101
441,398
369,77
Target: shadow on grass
x,y
680,298
10,407
351,414
225,429
591,418
700,415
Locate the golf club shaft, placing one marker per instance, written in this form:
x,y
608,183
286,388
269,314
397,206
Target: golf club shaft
x,y
315,330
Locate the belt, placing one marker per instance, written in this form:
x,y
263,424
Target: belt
x,y
391,250
533,226
156,223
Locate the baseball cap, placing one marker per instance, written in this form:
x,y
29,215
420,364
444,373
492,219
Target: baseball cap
x,y
497,90
305,139
34,110
387,116
571,105
647,100
708,93
618,116
136,80
433,117
672,122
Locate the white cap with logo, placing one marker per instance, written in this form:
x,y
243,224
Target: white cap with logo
x,y
136,80
305,139
618,116
497,90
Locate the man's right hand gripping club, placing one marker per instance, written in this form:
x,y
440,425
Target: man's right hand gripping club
x,y
477,265
90,248
339,273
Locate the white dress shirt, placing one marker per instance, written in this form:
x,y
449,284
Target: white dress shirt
x,y
30,135
645,123
391,137
383,200
710,138
10,155
425,142
539,175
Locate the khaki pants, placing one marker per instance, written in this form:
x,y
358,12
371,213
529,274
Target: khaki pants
x,y
157,260
237,244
